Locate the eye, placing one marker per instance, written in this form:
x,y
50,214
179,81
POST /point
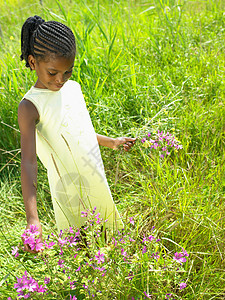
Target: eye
x,y
68,72
52,74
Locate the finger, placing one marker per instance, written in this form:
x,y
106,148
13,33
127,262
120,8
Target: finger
x,y
127,139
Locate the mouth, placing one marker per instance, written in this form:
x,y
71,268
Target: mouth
x,y
59,86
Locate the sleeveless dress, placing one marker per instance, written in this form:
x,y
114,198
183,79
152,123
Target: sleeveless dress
x,y
68,148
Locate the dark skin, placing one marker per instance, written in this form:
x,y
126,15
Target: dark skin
x,y
52,73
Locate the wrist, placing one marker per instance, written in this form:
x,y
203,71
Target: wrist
x,y
114,143
32,220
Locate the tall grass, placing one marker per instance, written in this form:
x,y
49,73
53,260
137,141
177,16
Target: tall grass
x,y
141,65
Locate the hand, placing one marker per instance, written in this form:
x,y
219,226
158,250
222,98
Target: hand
x,y
125,141
38,225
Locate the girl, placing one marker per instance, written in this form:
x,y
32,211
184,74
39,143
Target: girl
x,y
53,116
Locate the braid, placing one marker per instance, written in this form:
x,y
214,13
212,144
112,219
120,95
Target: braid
x,y
41,38
28,28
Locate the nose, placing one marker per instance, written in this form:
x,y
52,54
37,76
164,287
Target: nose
x,y
60,79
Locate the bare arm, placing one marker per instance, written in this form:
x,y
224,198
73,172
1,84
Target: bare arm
x,y
114,143
105,141
27,117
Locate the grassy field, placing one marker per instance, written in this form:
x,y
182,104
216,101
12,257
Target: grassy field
x,y
143,66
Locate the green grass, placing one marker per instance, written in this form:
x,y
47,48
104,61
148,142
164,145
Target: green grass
x,y
141,64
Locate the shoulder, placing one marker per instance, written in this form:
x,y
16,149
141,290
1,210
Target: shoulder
x,y
73,84
27,112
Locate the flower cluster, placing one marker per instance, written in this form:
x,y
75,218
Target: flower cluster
x,y
162,142
180,256
84,263
31,238
26,286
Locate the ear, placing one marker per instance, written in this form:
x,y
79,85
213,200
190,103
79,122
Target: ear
x,y
32,61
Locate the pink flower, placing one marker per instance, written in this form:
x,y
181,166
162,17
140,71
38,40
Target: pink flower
x,y
99,257
15,251
144,250
39,246
180,257
183,285
123,252
62,241
46,280
60,263
147,295
50,245
131,219
84,214
74,298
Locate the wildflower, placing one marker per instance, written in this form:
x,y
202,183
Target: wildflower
x,y
147,295
39,245
15,251
180,257
131,219
84,214
62,241
74,298
168,296
123,252
78,269
50,245
183,285
143,140
11,38
155,256
46,280
144,250
60,263
99,257
130,276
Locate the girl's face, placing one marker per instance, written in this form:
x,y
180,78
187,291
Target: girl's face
x,y
52,72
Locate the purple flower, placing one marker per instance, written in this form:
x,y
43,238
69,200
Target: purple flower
x,y
143,140
78,269
62,241
183,285
25,284
123,252
50,245
155,256
46,280
180,257
84,214
99,257
74,298
144,250
60,263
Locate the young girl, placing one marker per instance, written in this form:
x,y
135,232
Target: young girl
x,y
54,120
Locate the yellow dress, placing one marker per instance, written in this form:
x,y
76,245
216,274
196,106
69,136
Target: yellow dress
x,y
68,148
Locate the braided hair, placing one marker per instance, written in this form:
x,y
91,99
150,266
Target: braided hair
x,y
40,38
